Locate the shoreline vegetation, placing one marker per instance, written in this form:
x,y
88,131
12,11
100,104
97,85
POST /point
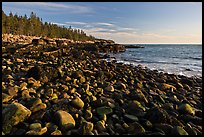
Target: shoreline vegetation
x,y
53,86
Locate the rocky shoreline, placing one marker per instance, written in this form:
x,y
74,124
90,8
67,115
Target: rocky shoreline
x,y
70,90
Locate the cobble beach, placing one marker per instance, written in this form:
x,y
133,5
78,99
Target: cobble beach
x,y
71,90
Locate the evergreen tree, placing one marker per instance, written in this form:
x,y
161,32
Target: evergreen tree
x,y
34,26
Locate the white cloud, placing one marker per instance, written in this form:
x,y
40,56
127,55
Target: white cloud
x,y
58,7
76,23
60,24
104,24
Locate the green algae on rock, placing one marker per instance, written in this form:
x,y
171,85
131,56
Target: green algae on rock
x,y
12,115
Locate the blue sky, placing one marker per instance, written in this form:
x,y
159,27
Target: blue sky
x,y
123,22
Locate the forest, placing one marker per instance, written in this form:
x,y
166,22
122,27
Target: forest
x,y
34,26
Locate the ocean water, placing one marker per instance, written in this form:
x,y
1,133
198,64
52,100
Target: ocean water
x,y
181,59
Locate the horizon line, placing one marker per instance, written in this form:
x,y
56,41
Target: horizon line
x,y
165,43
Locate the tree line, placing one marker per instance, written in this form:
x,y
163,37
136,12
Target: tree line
x,y
34,26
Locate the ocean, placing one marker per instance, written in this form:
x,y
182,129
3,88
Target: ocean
x,y
180,59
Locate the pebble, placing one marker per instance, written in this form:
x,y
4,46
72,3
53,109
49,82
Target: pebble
x,y
177,130
77,103
65,120
136,129
186,109
104,110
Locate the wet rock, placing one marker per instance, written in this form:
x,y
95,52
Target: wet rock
x,y
157,115
88,114
164,127
177,130
38,107
109,88
33,102
12,115
136,105
194,119
189,130
136,129
167,86
175,122
6,97
104,110
12,91
120,85
77,74
119,128
38,115
35,126
19,132
35,72
56,132
51,127
65,120
146,123
130,118
77,103
86,127
186,109
38,131
100,126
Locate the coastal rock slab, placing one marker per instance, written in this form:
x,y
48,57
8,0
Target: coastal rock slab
x,y
13,114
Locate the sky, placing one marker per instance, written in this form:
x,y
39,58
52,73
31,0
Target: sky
x,y
123,22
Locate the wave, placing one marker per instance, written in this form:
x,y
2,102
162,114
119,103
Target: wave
x,y
194,58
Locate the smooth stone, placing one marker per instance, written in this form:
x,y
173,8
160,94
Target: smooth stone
x,y
168,86
65,120
157,115
130,118
103,117
104,110
135,105
146,123
33,102
164,127
194,119
12,115
135,129
186,109
20,132
88,115
38,107
177,130
109,88
77,103
119,128
51,127
120,85
39,131
86,127
6,97
56,132
100,126
12,91
179,85
190,130
82,79
35,125
38,115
